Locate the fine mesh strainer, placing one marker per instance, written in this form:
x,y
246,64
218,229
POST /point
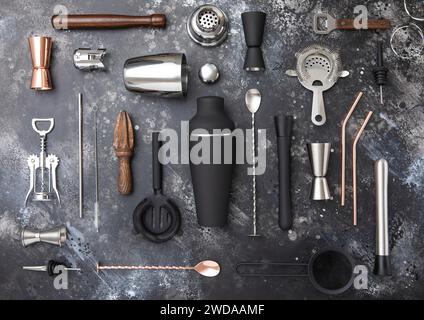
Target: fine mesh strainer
x,y
208,25
318,68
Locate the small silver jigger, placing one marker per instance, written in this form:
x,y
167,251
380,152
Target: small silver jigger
x,y
319,157
56,236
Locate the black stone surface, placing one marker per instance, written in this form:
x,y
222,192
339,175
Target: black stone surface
x,y
395,133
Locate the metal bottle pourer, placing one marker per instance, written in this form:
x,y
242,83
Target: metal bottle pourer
x,y
87,59
42,168
50,268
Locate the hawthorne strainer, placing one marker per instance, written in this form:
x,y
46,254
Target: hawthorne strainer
x,y
318,68
208,25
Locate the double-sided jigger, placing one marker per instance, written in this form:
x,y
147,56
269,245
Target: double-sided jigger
x,y
319,157
254,26
40,54
43,167
56,236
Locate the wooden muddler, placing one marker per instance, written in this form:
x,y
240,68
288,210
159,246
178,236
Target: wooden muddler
x,y
123,144
106,21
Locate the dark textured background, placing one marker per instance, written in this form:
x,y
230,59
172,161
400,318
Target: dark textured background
x,y
395,133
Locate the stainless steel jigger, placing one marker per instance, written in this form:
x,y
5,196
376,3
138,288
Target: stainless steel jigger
x,y
56,236
319,157
41,165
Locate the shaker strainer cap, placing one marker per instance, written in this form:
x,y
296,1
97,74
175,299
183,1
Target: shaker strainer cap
x,y
208,25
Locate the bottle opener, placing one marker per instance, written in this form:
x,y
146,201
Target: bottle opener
x,y
323,23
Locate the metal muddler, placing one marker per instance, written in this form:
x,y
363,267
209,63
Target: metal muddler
x,y
319,156
56,236
382,266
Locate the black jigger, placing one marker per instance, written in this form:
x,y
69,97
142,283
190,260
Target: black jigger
x,y
254,25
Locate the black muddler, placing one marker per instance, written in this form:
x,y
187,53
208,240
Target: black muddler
x,y
283,126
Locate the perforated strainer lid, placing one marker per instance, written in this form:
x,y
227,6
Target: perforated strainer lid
x,y
207,20
208,26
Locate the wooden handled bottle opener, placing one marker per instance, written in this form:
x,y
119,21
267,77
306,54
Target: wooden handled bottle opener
x,y
325,23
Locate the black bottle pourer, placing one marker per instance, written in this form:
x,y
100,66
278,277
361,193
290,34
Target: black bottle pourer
x,y
380,71
254,25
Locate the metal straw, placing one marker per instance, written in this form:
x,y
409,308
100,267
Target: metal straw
x,y
355,142
343,149
96,174
80,155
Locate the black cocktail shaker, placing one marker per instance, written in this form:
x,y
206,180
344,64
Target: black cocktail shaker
x,y
211,170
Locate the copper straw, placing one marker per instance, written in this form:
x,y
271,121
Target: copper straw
x,y
355,142
343,149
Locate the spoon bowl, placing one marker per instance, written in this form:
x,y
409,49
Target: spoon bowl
x,y
253,100
208,268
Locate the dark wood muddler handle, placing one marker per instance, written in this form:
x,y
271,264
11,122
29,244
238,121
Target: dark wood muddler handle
x,y
107,21
125,176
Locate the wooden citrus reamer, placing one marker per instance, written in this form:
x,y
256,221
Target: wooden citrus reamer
x,y
123,144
